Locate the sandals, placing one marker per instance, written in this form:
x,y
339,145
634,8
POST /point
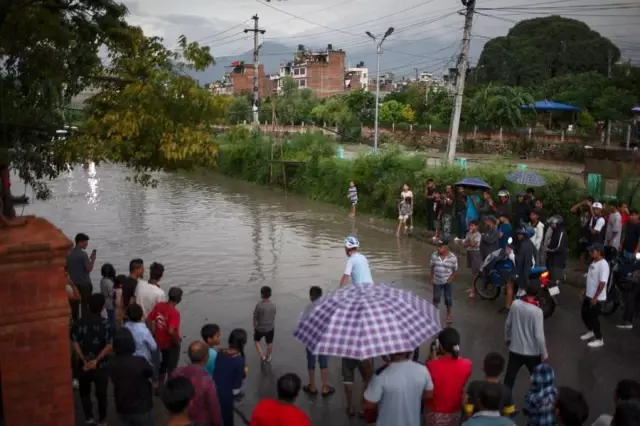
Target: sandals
x,y
330,391
307,390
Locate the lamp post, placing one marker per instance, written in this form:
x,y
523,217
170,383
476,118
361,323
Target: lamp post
x,y
379,52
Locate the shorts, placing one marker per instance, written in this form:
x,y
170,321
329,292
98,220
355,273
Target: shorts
x,y
448,294
437,225
312,360
170,358
354,202
267,335
403,218
583,246
349,369
474,260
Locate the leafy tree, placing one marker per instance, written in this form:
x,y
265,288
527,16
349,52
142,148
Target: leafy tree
x,y
391,111
614,104
408,114
294,105
499,106
333,111
239,110
362,103
539,49
579,90
157,117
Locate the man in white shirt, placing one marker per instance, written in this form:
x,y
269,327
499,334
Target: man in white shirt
x,y
538,226
147,295
594,295
614,231
597,223
398,392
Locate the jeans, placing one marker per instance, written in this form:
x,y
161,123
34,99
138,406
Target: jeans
x,y
111,317
100,380
447,222
438,289
323,360
515,363
630,304
461,225
81,307
143,419
591,316
430,216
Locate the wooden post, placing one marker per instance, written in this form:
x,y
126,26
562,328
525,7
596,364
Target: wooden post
x,y
501,133
410,128
284,166
562,136
393,127
429,128
530,133
628,135
475,131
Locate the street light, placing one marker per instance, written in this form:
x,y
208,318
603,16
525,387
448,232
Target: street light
x,y
379,52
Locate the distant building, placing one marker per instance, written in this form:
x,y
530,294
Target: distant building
x,y
241,77
357,77
221,87
386,83
321,71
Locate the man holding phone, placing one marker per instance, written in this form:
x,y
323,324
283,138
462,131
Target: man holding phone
x,y
79,267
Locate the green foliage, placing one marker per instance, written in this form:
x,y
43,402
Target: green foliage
x,y
391,112
499,106
239,110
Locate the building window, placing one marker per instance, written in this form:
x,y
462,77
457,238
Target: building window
x,y
296,71
302,83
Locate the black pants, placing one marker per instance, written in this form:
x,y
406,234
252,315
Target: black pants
x,y
170,358
611,253
591,316
100,380
430,216
81,306
630,304
144,419
515,363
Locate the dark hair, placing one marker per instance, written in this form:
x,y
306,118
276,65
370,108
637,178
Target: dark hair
x,y
156,270
429,180
490,396
315,292
591,199
119,281
265,292
108,271
175,294
628,390
627,414
474,222
289,387
533,288
123,342
571,407
198,351
614,203
209,331
81,238
237,340
493,364
135,264
135,312
449,339
96,303
177,394
633,211
530,191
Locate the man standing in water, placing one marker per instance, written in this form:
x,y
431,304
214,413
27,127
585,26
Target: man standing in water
x,y
79,267
357,266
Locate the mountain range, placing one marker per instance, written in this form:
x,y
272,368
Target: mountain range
x,y
400,58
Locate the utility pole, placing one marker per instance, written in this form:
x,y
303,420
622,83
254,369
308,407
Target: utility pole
x,y
460,80
610,64
256,70
378,52
416,74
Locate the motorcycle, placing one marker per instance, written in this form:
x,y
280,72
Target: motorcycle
x,y
488,283
621,281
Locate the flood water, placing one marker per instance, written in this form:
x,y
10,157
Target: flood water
x,y
221,240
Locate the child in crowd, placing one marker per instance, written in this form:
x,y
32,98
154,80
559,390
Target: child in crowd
x,y
437,214
117,295
505,230
315,293
107,284
539,402
210,333
230,373
405,209
474,259
352,195
264,319
493,367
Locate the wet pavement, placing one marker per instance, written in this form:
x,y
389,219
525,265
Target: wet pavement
x,y
221,240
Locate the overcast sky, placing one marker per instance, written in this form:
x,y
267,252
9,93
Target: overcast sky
x,y
219,23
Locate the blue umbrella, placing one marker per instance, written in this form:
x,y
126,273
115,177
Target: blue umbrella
x,y
526,177
473,183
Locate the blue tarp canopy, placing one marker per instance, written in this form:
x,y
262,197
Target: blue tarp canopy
x,y
547,105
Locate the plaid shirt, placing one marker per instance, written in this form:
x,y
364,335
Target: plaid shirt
x,y
204,408
539,402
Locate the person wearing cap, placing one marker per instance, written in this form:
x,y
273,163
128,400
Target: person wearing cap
x,y
444,266
597,224
594,295
164,321
525,257
357,269
490,240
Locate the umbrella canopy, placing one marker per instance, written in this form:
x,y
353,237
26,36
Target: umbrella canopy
x,y
473,183
546,105
366,321
636,109
526,177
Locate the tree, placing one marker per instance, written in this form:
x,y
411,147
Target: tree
x,y
155,117
391,112
362,103
294,105
239,110
49,51
408,114
333,112
499,106
614,104
539,49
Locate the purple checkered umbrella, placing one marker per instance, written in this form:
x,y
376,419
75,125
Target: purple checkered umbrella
x,y
366,321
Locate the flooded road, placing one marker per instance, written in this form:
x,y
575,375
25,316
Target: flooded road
x,y
221,240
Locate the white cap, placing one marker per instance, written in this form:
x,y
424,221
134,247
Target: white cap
x,y
597,206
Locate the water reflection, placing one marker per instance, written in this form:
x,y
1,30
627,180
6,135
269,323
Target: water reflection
x,y
92,181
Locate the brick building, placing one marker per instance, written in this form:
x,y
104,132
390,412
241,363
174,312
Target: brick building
x,y
322,72
242,79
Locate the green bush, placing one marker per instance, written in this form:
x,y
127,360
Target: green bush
x,y
379,178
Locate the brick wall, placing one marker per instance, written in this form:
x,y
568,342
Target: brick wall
x,y
35,366
326,78
242,80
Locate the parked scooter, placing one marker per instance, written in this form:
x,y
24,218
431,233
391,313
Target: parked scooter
x,y
621,282
500,264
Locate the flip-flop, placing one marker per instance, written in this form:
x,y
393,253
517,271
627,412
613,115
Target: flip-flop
x,y
330,391
351,412
307,389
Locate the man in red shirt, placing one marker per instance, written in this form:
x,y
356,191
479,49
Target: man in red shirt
x,y
164,321
281,412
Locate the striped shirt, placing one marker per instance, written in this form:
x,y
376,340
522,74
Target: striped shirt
x,y
353,193
443,268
